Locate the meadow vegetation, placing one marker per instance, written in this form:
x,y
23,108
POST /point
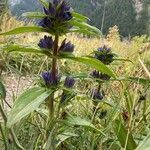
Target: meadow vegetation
x,y
120,120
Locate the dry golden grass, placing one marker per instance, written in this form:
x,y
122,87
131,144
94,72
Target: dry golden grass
x,y
127,49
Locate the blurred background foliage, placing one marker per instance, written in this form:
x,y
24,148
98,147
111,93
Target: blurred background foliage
x,y
131,16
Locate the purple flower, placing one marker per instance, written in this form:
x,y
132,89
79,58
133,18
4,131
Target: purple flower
x,y
46,42
49,79
95,74
64,6
66,47
50,11
69,82
104,49
102,76
57,13
46,23
104,55
66,16
97,95
56,2
103,114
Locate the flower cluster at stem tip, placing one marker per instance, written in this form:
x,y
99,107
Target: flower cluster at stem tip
x,y
105,55
57,15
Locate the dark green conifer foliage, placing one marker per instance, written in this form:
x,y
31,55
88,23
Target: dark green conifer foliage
x,y
143,22
117,12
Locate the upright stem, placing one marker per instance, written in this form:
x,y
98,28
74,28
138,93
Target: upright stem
x,y
54,61
54,72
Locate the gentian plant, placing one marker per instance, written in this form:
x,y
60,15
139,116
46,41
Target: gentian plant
x,y
105,55
57,19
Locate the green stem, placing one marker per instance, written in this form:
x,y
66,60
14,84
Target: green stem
x,y
54,61
12,133
3,136
54,71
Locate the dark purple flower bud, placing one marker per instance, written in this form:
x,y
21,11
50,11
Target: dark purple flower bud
x,y
95,74
63,13
103,114
100,49
142,98
46,42
66,96
47,77
57,13
51,11
56,2
97,95
49,80
69,82
46,23
102,76
104,55
66,47
63,97
64,6
66,16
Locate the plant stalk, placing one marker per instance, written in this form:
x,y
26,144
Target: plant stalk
x,y
54,72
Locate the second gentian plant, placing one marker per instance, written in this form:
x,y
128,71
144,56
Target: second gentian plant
x,y
56,20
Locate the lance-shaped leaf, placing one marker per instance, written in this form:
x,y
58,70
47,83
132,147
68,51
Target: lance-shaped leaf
x,y
21,48
145,144
64,136
84,26
27,103
80,17
92,62
34,15
2,91
122,135
25,29
139,80
44,3
83,31
77,121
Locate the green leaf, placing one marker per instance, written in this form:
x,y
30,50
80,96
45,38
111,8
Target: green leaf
x,y
77,121
2,91
85,26
25,29
44,3
21,48
121,59
139,80
121,134
92,62
34,15
145,145
64,136
84,31
27,103
80,17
